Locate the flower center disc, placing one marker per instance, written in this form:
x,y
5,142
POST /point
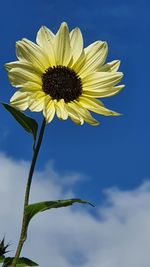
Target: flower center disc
x,y
61,83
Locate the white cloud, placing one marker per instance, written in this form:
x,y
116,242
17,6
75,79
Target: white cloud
x,y
118,236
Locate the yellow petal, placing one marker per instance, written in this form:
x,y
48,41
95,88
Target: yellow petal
x,y
36,101
78,65
95,56
96,106
49,109
76,42
61,111
112,66
99,80
73,114
20,100
32,86
104,92
24,66
30,52
44,36
18,77
84,113
62,46
45,39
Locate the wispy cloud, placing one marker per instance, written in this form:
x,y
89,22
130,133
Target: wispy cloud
x,y
117,236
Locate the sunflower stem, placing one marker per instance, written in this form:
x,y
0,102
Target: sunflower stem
x,y
23,233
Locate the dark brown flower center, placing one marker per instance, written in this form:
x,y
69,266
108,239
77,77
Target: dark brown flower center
x,y
61,83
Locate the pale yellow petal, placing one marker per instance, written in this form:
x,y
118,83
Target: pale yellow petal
x,y
84,113
112,66
99,80
23,65
20,100
46,101
78,65
96,106
32,53
32,86
61,110
45,39
73,114
95,56
19,76
76,42
105,92
49,109
36,101
44,36
62,46
74,118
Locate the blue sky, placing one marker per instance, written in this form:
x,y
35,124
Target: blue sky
x,y
116,153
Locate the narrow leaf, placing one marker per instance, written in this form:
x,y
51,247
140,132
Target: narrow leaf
x,y
35,208
29,124
3,247
22,262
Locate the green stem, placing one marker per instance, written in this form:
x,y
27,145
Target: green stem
x,y
23,234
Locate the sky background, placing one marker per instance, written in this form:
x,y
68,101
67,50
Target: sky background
x,y
86,161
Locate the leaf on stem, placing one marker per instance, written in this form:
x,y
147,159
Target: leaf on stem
x,y
22,262
35,208
29,124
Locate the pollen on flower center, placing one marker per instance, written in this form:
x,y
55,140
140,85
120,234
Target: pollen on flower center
x,y
61,82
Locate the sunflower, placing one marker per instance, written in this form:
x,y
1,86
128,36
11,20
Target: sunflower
x,y
58,76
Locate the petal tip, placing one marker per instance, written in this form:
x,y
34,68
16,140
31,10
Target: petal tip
x,y
64,25
113,113
6,66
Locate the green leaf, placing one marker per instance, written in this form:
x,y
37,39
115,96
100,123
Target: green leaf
x,y
22,262
3,247
2,259
29,124
35,208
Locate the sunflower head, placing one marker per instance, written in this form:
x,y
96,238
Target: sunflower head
x,y
57,75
